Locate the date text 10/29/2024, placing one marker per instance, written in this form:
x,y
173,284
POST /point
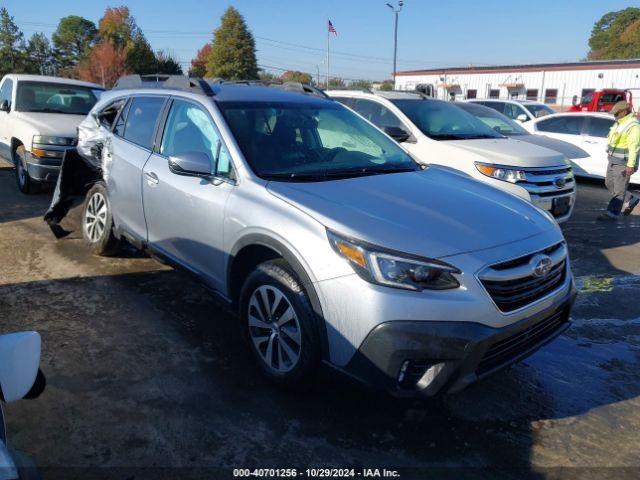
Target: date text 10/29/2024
x,y
316,473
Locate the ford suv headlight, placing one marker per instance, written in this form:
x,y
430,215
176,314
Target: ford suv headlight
x,y
510,175
49,140
377,265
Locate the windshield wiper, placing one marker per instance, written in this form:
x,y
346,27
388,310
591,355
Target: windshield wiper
x,y
336,174
46,110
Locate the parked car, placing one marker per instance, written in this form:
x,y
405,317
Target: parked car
x,y
438,132
512,129
38,120
331,242
586,130
20,377
600,100
519,110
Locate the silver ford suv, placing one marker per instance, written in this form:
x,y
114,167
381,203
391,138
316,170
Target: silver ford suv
x,y
329,240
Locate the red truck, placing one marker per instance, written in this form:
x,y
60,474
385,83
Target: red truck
x,y
600,100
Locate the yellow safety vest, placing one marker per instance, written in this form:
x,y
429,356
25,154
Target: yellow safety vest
x,y
624,141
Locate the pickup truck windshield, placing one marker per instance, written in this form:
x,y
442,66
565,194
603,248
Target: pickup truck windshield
x,y
311,142
444,121
499,122
55,98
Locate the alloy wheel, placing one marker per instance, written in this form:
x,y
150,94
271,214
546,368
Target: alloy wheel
x,y
95,219
274,329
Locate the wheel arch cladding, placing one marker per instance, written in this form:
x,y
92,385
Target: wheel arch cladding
x,y
254,249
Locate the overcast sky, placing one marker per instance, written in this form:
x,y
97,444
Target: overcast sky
x,y
292,34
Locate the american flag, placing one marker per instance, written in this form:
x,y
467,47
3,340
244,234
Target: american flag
x,y
332,29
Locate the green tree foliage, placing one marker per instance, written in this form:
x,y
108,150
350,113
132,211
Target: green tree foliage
x,y
387,85
73,40
267,76
296,76
616,35
139,56
118,27
40,55
360,85
167,63
336,83
12,47
233,55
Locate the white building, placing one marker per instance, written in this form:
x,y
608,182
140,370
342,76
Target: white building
x,y
552,83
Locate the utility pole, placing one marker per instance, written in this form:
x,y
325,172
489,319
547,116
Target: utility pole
x,y
327,54
395,37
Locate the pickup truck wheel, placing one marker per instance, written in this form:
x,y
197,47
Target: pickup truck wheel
x,y
97,222
279,324
25,183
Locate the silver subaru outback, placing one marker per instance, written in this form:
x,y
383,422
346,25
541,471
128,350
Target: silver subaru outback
x,y
329,240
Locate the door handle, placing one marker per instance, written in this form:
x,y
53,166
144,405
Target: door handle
x,y
590,141
152,178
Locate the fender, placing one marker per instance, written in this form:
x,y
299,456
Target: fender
x,y
286,253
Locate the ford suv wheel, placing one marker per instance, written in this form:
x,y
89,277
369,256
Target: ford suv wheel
x,y
97,222
279,323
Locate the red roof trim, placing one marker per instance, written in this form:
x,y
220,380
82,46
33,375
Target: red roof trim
x,y
550,68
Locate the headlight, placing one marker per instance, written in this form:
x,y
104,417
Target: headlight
x,y
382,267
60,141
501,173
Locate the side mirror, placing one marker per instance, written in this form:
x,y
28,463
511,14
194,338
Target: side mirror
x,y
195,164
522,118
4,106
397,133
575,101
19,364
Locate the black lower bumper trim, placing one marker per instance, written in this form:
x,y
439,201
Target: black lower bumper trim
x,y
459,352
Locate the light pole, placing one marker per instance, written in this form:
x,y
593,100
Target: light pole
x,y
395,36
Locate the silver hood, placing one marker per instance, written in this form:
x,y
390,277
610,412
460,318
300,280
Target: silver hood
x,y
433,213
565,148
510,152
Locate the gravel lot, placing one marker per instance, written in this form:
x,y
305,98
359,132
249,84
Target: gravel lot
x,y
147,377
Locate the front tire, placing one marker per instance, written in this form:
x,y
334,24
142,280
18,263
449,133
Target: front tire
x,y
26,184
280,324
97,222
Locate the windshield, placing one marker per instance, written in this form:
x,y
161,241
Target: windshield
x,y
311,142
55,98
444,121
539,110
495,120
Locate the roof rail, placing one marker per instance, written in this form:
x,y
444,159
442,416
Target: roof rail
x,y
300,88
175,82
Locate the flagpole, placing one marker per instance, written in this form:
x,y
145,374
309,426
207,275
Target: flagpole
x,y
327,53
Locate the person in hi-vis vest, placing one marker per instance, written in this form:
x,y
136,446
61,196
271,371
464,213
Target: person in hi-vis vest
x,y
623,146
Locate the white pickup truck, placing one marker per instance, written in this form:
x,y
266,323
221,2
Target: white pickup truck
x,y
39,117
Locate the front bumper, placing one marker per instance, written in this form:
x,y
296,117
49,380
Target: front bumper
x,y
45,168
416,358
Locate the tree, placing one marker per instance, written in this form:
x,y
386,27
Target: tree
x,y
199,64
296,76
139,56
266,76
118,27
616,35
360,85
233,55
167,63
387,85
12,47
336,82
40,55
104,65
73,40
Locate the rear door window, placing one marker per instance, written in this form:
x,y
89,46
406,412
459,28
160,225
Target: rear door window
x,y
141,120
569,125
599,127
6,90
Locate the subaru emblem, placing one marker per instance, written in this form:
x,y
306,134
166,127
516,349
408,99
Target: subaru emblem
x,y
560,182
541,265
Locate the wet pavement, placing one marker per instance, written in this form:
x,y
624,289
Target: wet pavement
x,y
147,376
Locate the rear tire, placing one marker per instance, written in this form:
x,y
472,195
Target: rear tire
x,y
26,184
280,325
97,222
